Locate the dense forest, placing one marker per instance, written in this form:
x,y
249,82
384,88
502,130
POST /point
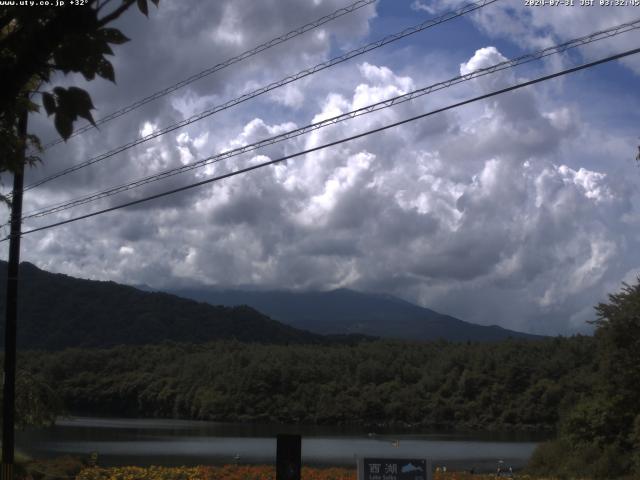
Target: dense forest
x,y
600,435
513,384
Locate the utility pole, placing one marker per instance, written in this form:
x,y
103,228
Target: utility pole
x,y
9,377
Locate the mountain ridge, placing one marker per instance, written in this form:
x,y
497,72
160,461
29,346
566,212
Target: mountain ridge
x,y
57,311
345,311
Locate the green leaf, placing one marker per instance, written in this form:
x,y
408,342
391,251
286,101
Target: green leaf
x,y
80,97
81,103
66,109
105,70
112,35
49,103
88,117
34,142
104,47
60,92
144,8
90,66
64,125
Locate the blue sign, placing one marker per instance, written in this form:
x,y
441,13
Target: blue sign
x,y
394,469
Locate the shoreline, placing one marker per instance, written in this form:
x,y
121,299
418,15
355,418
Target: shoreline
x,y
170,443
543,432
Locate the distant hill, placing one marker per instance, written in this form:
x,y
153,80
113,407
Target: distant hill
x,y
346,311
58,311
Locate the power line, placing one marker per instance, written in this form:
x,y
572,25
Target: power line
x,y
272,86
557,49
243,56
364,110
337,142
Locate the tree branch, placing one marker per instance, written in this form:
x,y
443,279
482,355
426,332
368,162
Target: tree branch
x,y
104,4
116,13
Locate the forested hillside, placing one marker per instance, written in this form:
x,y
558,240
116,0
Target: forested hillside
x,y
513,384
56,311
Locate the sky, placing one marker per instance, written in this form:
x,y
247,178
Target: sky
x,y
522,210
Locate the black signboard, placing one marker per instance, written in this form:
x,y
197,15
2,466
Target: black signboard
x,y
394,469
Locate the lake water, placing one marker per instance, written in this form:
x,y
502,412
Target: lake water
x,y
179,442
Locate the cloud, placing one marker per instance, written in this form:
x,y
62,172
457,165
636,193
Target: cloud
x,y
509,211
534,28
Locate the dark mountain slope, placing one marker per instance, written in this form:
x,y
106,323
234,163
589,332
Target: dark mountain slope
x,y
346,311
58,311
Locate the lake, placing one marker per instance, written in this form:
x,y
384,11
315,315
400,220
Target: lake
x,y
180,442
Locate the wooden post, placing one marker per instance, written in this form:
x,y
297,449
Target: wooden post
x,y
288,457
9,377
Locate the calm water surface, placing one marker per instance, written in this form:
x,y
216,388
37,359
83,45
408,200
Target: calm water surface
x,y
180,442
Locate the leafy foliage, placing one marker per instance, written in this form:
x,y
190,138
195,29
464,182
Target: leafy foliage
x,y
37,404
600,436
60,468
35,43
562,459
507,385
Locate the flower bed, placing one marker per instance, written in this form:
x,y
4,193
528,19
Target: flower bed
x,y
236,472
227,472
